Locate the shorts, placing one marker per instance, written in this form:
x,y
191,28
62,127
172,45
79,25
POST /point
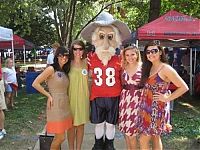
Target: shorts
x,y
8,88
105,109
2,97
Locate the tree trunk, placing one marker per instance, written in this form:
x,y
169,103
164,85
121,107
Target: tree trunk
x,y
154,11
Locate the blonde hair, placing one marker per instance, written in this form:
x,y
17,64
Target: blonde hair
x,y
7,61
136,50
55,45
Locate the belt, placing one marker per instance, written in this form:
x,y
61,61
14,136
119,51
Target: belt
x,y
129,87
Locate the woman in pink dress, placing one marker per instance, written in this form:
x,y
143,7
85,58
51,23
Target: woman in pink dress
x,y
130,96
156,77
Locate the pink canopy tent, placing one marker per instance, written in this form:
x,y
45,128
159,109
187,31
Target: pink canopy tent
x,y
172,25
18,42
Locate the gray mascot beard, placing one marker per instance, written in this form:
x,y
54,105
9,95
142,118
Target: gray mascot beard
x,y
105,55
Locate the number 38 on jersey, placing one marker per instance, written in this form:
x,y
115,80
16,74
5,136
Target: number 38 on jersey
x,y
107,76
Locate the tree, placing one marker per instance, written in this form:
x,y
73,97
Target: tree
x,y
68,15
187,7
28,20
154,11
46,21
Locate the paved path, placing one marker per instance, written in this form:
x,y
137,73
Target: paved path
x,y
88,140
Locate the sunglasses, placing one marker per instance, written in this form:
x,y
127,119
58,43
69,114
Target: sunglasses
x,y
64,55
152,51
80,49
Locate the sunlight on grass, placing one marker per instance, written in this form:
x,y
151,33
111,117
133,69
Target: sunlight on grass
x,y
190,106
181,139
41,98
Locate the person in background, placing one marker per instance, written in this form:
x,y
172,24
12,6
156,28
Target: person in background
x,y
59,118
2,106
186,61
50,57
156,77
130,96
18,75
78,94
10,79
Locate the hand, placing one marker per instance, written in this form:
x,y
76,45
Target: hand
x,y
49,102
162,97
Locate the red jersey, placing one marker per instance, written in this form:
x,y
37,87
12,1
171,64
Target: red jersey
x,y
105,79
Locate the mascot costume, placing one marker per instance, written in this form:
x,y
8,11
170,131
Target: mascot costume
x,y
106,34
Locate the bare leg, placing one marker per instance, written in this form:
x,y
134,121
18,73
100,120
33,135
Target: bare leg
x,y
57,141
2,118
157,142
71,138
12,99
8,99
79,136
131,142
144,142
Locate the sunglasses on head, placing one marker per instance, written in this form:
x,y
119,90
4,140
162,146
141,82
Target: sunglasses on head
x,y
131,45
152,51
80,49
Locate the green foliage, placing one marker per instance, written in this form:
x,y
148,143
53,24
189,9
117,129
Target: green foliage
x,y
188,7
27,19
136,13
33,19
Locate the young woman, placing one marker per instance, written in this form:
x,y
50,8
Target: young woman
x,y
78,94
130,96
156,77
10,79
59,117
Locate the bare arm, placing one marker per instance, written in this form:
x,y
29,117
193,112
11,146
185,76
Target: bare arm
x,y
171,75
48,72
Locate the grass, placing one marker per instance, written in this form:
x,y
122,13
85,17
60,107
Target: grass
x,y
186,125
24,122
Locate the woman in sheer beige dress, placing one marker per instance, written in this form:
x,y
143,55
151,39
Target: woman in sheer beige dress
x,y
59,117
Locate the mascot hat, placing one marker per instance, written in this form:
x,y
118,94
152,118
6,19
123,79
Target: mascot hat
x,y
105,19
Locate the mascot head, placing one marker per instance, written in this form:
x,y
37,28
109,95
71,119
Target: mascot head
x,y
106,34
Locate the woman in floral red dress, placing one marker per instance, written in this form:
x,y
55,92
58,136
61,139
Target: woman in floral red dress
x,y
156,77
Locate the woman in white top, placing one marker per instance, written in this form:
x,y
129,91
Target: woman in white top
x,y
10,79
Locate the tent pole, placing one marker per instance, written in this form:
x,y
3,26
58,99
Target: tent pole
x,y
191,76
195,63
13,53
24,54
137,43
195,55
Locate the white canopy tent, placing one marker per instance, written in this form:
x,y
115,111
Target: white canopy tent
x,y
7,35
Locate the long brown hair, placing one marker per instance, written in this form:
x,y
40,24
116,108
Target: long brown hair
x,y
146,65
